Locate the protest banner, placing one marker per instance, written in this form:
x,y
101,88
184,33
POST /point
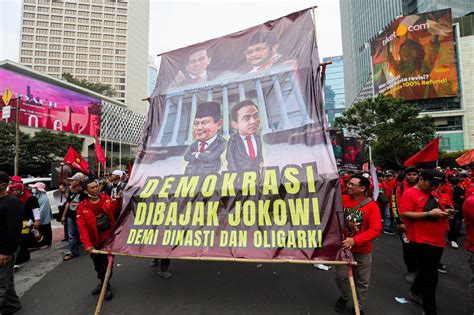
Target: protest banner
x,y
235,163
414,57
353,153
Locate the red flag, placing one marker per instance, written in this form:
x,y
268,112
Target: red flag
x,y
76,160
466,159
99,153
428,154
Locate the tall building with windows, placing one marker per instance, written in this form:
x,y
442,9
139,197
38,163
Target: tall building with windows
x,y
334,98
102,41
363,20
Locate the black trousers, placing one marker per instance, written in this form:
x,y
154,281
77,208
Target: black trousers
x,y
100,266
409,255
427,258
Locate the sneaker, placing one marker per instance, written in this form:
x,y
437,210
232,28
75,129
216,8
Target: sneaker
x,y
388,232
155,262
415,298
340,305
442,268
410,277
97,289
108,294
165,274
16,267
454,245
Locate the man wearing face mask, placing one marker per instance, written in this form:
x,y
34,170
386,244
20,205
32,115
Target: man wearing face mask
x,y
11,212
39,191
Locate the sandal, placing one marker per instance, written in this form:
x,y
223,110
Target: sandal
x,y
68,257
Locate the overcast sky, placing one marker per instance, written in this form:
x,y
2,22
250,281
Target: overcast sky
x,y
178,23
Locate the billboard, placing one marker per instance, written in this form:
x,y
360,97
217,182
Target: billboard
x,y
353,154
48,106
235,162
414,57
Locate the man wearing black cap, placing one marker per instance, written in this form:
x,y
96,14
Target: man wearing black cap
x,y
204,155
411,178
244,151
426,229
11,212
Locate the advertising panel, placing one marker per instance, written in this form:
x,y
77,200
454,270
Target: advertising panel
x,y
414,57
45,105
235,162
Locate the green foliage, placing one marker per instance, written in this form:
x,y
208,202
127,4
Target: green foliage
x,y
392,126
104,89
36,152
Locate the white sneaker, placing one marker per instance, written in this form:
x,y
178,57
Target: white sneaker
x,y
454,244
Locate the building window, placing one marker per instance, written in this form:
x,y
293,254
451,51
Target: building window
x,y
57,11
26,52
68,63
70,5
55,47
55,54
56,18
69,41
108,51
29,23
68,70
448,123
71,12
56,25
55,39
108,30
40,61
84,6
28,15
94,57
27,30
108,58
69,34
68,48
56,32
27,45
54,62
41,46
40,53
40,68
83,35
26,60
69,26
82,42
68,55
27,37
42,17
81,56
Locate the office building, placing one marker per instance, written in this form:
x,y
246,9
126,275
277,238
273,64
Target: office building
x,y
102,41
334,98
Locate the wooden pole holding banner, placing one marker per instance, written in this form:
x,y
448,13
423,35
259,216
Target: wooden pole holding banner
x,y
353,289
110,261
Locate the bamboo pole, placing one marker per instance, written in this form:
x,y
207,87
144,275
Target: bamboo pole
x,y
273,261
353,289
110,262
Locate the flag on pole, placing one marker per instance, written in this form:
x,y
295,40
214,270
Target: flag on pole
x,y
466,159
99,153
428,154
373,173
75,160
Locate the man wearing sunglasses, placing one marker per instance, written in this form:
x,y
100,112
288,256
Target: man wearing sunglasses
x,y
426,219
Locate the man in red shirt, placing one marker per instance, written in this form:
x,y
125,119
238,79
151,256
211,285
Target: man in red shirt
x,y
362,225
411,178
96,222
468,211
426,229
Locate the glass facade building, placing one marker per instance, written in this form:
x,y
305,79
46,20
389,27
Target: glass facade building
x,y
334,96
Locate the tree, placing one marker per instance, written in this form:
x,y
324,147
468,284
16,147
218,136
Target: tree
x,y
392,126
7,148
104,89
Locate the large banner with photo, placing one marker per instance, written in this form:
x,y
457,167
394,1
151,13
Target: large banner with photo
x,y
414,57
48,106
235,162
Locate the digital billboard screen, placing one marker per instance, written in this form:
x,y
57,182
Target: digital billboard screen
x,y
48,106
414,57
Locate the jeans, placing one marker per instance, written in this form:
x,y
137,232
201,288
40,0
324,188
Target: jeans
x,y
427,259
9,301
73,237
471,285
361,273
387,220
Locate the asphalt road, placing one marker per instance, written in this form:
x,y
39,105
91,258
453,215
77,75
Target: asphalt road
x,y
234,288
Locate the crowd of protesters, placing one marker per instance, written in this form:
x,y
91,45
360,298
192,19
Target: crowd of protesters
x,y
425,207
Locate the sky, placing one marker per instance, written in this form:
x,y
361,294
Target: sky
x,y
179,23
